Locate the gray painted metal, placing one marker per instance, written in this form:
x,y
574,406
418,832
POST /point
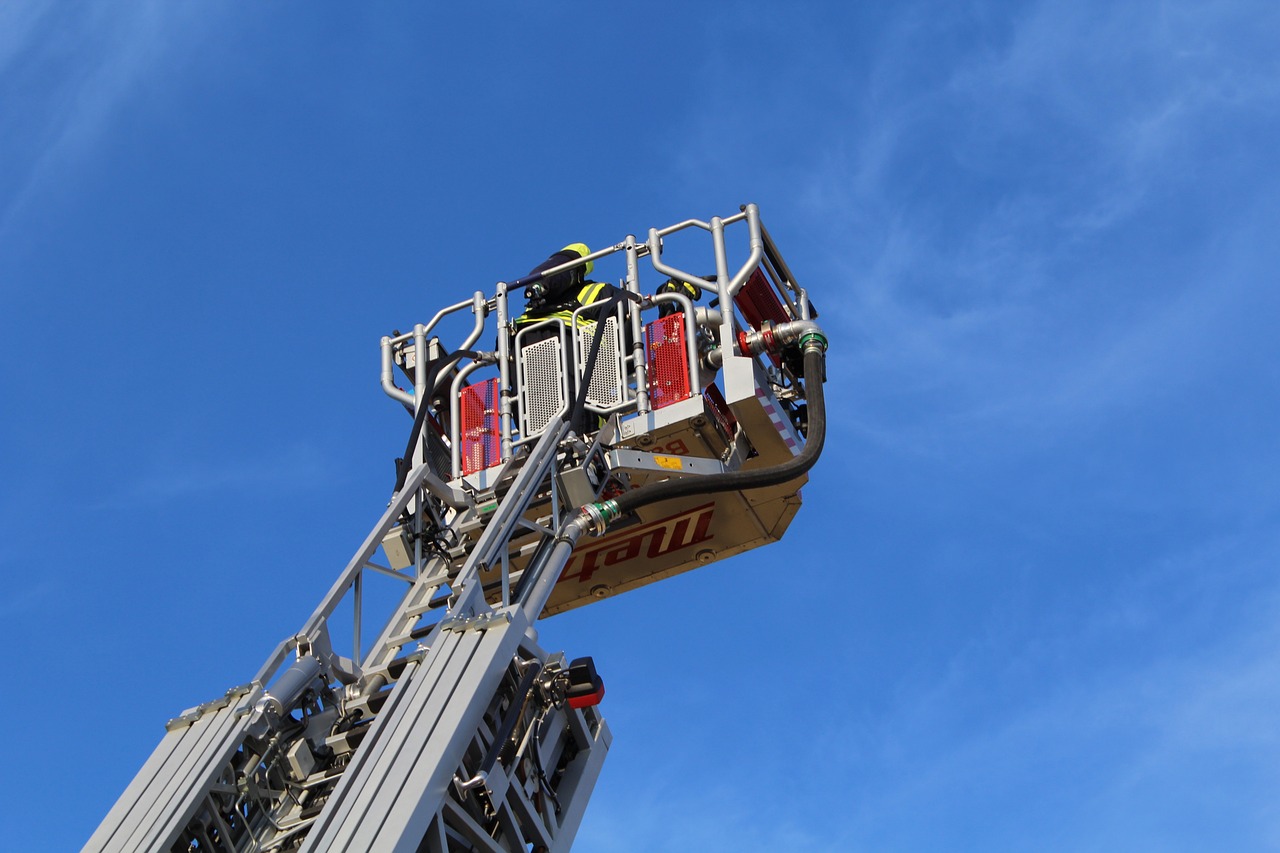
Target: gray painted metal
x,y
382,749
637,461
165,792
418,745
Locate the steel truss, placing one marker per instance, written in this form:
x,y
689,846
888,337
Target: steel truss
x,y
454,730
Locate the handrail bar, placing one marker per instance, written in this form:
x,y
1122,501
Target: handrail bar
x,y
775,257
655,253
389,378
568,265
757,251
780,284
638,364
479,307
564,347
690,336
705,226
580,323
455,417
504,374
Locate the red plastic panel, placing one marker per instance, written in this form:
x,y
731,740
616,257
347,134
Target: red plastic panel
x,y
720,411
481,442
758,301
668,359
587,700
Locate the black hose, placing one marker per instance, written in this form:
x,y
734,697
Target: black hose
x,y
574,414
403,463
814,367
536,752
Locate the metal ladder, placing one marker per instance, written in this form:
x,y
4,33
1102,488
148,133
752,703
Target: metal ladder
x,y
467,743
454,730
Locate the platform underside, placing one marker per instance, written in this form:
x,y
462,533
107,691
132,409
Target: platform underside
x,y
670,538
682,534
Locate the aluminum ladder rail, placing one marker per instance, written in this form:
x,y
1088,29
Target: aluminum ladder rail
x,y
243,774
461,743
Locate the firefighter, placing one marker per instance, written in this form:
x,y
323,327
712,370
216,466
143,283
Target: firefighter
x,y
672,285
558,296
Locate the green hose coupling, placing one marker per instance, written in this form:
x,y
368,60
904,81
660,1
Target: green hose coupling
x,y
815,340
601,515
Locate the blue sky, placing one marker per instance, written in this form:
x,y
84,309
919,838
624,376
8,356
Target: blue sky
x,y
1031,601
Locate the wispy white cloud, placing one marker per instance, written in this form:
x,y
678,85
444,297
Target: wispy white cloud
x,y
992,299
64,73
1130,87
718,818
1105,764
18,21
173,477
1090,731
1099,760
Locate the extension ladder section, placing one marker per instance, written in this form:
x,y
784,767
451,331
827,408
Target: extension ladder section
x,y
448,728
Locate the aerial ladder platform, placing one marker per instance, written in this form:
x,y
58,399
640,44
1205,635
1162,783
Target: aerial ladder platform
x,y
646,435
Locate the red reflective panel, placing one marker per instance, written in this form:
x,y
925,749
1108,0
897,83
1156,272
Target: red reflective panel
x,y
481,442
720,411
588,700
758,301
668,359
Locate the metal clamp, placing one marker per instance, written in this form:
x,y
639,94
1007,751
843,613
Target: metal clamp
x,y
475,623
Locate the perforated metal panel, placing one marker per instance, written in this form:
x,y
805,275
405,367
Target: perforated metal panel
x,y
758,301
724,418
668,360
605,389
544,387
481,443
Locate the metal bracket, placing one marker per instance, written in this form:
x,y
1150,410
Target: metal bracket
x,y
189,717
447,492
475,623
637,461
583,483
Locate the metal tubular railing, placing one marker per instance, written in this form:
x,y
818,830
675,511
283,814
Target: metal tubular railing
x,y
763,254
726,286
455,417
621,315
789,279
639,367
635,397
690,335
504,374
634,394
779,284
564,350
757,251
478,305
389,376
655,255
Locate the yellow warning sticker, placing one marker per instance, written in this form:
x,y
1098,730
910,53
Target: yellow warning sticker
x,y
670,462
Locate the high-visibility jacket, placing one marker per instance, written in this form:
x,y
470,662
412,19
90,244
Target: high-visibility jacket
x,y
566,291
673,285
591,291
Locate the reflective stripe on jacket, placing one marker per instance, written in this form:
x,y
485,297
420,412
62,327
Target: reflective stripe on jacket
x,y
591,291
